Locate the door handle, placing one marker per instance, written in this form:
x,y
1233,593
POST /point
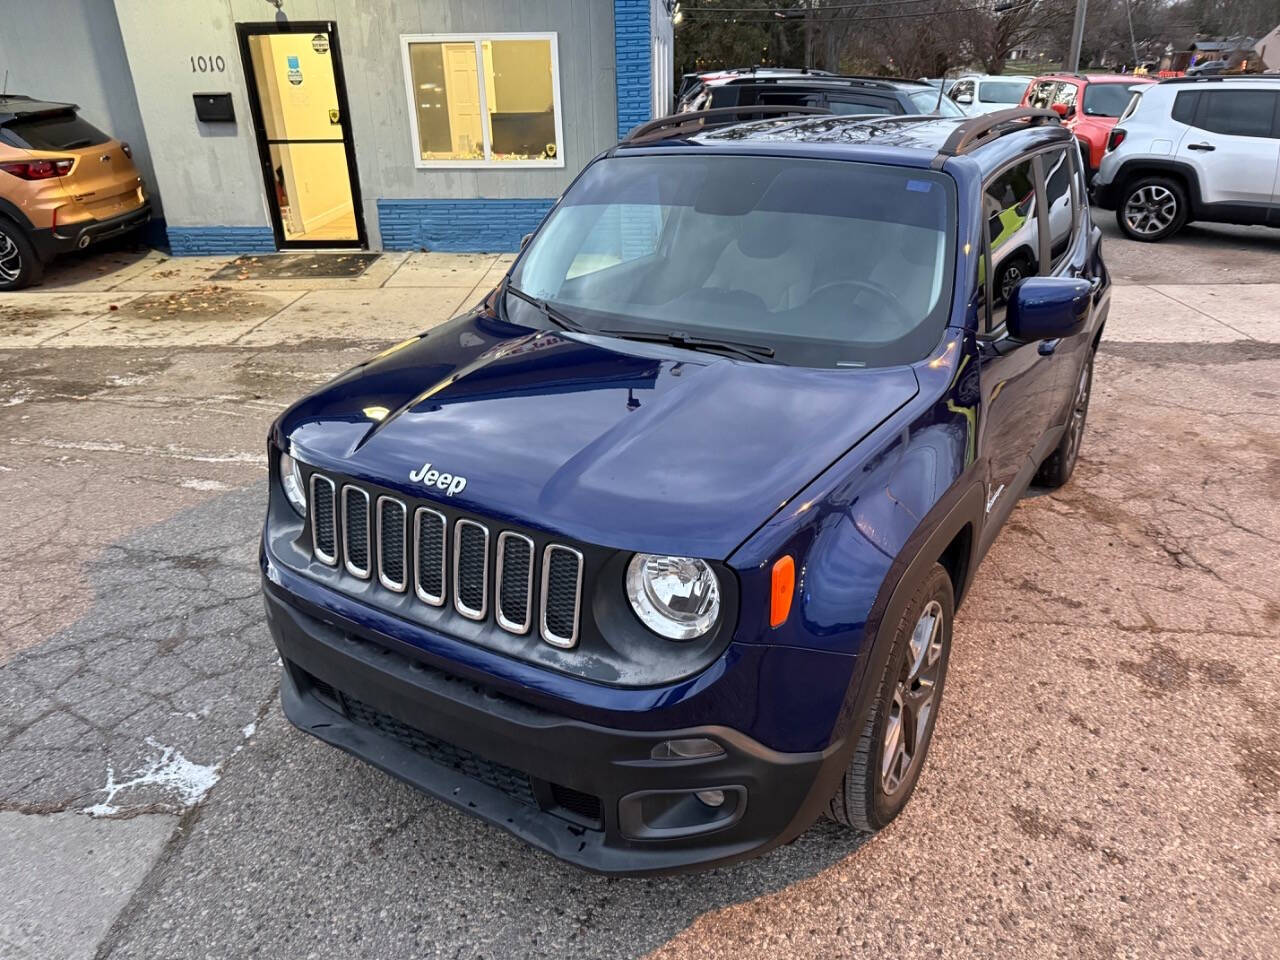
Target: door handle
x,y
1201,146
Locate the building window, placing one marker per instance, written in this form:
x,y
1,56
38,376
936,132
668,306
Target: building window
x,y
484,100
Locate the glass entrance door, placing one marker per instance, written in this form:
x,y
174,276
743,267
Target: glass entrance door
x,y
298,100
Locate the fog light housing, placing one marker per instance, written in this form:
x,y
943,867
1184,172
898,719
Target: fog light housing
x,y
694,748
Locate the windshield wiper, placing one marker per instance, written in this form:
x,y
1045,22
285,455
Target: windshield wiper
x,y
561,320
749,351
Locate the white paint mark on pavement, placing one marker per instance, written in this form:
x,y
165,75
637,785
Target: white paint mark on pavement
x,y
170,770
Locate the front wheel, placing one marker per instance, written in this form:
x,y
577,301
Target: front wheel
x,y
891,749
1152,209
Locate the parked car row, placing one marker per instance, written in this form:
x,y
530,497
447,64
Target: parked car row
x,y
1159,153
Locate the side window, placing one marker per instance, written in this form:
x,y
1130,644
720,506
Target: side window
x,y
1237,113
1013,233
1042,94
1058,202
1184,106
1066,95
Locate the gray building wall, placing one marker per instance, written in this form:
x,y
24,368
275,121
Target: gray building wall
x,y
210,173
72,51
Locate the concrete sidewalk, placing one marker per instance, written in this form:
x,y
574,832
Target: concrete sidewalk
x,y
131,299
121,299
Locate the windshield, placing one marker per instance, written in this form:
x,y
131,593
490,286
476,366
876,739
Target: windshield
x,y
827,262
1106,99
927,101
1002,91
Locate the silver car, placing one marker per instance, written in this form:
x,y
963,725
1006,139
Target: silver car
x,y
1194,148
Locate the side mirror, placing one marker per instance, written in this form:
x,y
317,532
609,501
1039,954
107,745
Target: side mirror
x,y
965,98
1061,109
524,241
1046,308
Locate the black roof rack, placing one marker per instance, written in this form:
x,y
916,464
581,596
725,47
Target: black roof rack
x,y
1219,78
981,129
715,117
833,80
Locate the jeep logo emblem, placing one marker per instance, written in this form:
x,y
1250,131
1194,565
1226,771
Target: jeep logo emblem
x,y
441,481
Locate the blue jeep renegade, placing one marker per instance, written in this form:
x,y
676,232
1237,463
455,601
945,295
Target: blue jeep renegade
x,y
652,557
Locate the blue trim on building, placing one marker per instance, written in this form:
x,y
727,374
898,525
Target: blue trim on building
x,y
459,226
202,241
633,58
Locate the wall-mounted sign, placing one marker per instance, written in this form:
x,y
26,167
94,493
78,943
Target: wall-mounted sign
x,y
320,43
295,72
334,116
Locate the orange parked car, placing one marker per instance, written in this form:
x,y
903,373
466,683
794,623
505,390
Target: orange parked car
x,y
1089,105
64,184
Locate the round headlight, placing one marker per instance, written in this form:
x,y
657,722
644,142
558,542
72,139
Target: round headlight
x,y
675,597
291,481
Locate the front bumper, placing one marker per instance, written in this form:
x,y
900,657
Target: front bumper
x,y
1104,195
82,233
586,793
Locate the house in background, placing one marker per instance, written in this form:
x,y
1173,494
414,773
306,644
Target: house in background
x,y
389,124
1269,51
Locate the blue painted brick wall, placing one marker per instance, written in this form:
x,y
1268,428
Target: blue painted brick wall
x,y
633,55
206,241
459,226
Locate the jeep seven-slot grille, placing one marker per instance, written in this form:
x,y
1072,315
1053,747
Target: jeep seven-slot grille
x,y
483,574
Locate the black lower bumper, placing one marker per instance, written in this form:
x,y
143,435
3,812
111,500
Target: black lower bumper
x,y
1104,195
588,794
83,233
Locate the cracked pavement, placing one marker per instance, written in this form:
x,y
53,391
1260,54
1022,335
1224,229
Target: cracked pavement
x,y
1105,779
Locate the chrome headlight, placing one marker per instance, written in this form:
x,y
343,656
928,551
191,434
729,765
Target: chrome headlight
x,y
291,481
675,597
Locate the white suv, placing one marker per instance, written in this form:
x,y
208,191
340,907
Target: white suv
x,y
986,93
1194,148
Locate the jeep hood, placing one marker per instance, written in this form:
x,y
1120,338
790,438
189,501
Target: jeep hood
x,y
612,442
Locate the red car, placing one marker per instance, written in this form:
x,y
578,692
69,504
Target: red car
x,y
1089,104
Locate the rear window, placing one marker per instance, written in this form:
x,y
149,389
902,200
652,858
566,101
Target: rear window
x,y
62,131
1002,91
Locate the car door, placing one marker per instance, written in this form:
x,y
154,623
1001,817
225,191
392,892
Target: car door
x,y
1071,241
1019,395
1231,142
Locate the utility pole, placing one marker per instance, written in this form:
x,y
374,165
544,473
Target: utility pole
x,y
1077,37
808,35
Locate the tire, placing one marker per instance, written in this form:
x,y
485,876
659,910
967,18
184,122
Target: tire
x,y
1057,467
867,799
1160,209
19,265
1012,271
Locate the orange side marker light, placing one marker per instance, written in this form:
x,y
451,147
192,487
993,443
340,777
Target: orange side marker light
x,y
784,586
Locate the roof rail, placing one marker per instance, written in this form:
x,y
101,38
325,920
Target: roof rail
x,y
715,117
988,126
1219,78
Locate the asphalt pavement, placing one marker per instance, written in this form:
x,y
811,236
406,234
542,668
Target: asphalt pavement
x,y
1105,779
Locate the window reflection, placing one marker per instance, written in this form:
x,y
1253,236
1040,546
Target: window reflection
x,y
1013,231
